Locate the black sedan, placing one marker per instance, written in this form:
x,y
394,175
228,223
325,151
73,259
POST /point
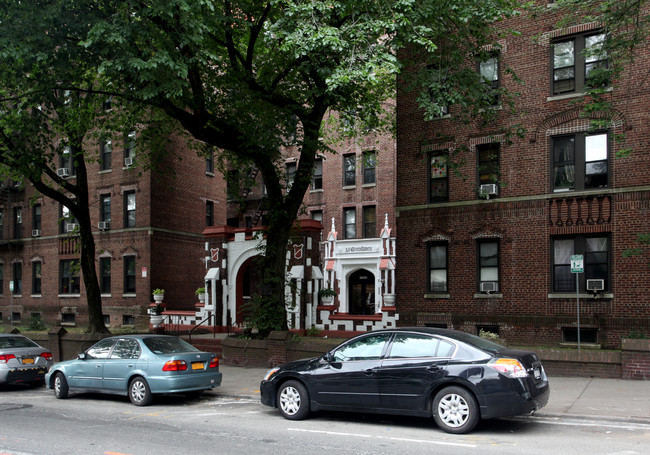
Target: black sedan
x,y
457,377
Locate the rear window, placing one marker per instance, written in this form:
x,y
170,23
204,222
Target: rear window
x,y
16,342
168,345
478,342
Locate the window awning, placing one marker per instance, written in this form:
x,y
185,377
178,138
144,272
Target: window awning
x,y
213,274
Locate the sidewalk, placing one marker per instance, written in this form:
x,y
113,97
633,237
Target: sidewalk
x,y
615,399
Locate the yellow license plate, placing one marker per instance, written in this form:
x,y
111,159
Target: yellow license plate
x,y
26,361
197,365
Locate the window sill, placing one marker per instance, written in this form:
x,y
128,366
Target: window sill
x,y
106,296
572,295
368,185
17,295
442,117
319,190
68,324
484,295
569,96
105,171
36,296
129,296
437,296
69,296
350,187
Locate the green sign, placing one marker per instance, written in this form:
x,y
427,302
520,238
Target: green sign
x,y
577,263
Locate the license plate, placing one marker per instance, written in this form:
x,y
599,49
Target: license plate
x,y
197,365
538,373
27,360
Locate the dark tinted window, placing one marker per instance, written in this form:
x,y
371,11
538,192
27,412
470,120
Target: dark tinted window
x,y
366,348
16,342
168,345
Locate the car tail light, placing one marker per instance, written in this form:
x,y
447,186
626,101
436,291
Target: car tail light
x,y
509,367
4,358
175,365
214,362
46,355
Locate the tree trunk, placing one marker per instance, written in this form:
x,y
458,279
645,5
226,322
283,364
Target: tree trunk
x,y
93,293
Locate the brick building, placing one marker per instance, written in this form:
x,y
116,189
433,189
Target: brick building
x,y
149,235
491,248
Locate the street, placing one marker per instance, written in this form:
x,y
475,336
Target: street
x,y
33,422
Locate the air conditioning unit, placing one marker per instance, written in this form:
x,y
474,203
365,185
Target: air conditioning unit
x,y
128,161
104,225
69,227
488,286
63,172
490,189
595,285
36,232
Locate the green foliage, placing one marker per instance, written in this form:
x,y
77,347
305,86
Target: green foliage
x,y
158,291
200,291
36,324
637,335
326,292
264,316
313,331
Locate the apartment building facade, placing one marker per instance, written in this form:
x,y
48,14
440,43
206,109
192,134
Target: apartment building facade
x,y
499,245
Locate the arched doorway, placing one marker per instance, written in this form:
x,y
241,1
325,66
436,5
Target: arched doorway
x,y
249,280
361,292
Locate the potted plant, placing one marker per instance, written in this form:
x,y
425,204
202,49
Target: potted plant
x,y
158,295
155,313
200,293
326,295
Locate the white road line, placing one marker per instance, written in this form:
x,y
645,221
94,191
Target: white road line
x,y
421,441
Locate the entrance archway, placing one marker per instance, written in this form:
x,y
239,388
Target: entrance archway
x,y
361,292
249,280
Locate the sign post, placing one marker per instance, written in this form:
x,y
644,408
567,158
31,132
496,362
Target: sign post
x,y
577,267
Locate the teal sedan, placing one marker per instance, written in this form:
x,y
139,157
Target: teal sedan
x,y
139,366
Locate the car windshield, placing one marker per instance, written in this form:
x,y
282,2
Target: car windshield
x,y
168,345
478,342
16,342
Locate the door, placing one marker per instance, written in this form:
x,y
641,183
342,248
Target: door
x,y
413,366
350,378
86,372
361,293
120,364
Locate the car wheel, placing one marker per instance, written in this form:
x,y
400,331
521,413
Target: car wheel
x,y
60,386
455,410
293,400
139,392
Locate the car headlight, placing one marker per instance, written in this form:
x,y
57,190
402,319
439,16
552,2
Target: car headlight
x,y
269,374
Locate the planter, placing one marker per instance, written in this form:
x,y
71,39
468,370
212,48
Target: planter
x,y
327,300
158,298
389,299
156,319
201,298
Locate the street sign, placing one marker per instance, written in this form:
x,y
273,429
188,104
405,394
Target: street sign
x,y
577,263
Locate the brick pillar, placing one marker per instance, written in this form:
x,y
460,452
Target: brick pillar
x,y
276,347
54,341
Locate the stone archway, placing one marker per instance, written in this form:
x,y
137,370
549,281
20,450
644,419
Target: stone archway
x,y
361,292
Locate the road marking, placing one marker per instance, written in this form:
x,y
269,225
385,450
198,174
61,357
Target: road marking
x,y
580,423
421,441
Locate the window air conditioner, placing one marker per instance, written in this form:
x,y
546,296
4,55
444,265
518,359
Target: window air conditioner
x,y
491,189
488,286
104,225
36,232
63,172
595,285
69,227
128,161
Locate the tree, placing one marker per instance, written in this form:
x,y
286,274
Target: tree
x,y
252,77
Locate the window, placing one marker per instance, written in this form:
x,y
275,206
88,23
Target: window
x,y
18,222
317,215
317,178
105,208
488,263
574,59
488,163
232,185
489,71
438,91
2,279
438,178
126,349
437,265
17,278
128,319
209,163
129,274
129,209
580,162
105,275
369,162
369,222
2,223
67,162
67,220
413,345
69,276
209,213
290,174
36,277
105,149
101,349
596,254
129,148
36,217
350,222
349,170
367,348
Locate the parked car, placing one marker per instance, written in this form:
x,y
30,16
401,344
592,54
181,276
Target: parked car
x,y
457,377
22,360
139,366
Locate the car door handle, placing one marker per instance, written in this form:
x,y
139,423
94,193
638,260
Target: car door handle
x,y
369,372
98,366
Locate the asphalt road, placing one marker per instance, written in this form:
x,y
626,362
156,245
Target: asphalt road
x,y
33,422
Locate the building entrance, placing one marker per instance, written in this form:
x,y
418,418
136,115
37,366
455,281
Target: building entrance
x,y
361,292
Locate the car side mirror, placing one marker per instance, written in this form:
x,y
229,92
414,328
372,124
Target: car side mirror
x,y
81,356
329,357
